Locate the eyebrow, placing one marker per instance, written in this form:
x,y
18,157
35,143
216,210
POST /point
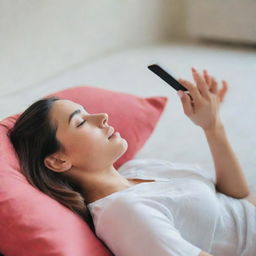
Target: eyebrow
x,y
74,113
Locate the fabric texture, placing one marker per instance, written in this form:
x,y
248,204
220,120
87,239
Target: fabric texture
x,y
179,214
32,223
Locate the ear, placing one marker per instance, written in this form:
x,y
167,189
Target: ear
x,y
57,163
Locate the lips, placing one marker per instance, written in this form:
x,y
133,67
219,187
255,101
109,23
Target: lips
x,y
110,131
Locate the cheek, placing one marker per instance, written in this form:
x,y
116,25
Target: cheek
x,y
80,145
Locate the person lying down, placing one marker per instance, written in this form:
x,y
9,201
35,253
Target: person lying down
x,y
149,207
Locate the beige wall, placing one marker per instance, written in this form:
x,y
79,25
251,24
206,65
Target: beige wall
x,y
41,38
229,20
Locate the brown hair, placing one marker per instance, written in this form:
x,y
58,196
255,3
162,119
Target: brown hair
x,y
34,138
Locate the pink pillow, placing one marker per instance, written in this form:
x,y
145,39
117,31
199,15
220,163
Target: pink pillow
x,y
32,223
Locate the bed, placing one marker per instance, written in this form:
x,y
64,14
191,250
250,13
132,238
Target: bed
x,y
175,138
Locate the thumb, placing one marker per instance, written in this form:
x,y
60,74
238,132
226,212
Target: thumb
x,y
186,103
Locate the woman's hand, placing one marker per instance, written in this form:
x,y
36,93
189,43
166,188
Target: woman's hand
x,y
201,105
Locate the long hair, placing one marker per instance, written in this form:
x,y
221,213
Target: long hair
x,y
34,138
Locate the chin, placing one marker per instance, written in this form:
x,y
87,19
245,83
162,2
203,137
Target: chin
x,y
122,149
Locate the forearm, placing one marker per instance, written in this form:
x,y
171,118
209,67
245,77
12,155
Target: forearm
x,y
230,179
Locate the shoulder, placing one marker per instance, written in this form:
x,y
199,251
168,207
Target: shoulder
x,y
135,209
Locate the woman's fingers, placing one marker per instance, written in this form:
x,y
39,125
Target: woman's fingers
x,y
223,90
193,91
214,86
186,103
207,78
205,85
201,84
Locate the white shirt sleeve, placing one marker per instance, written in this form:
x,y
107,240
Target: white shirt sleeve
x,y
141,227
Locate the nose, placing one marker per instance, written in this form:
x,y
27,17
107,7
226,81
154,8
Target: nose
x,y
104,119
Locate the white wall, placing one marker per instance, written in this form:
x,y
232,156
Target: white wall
x,y
41,38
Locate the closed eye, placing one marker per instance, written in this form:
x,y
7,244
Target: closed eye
x,y
81,123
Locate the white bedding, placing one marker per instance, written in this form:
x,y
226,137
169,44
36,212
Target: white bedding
x,y
175,138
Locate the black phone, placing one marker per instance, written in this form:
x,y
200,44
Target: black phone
x,y
167,77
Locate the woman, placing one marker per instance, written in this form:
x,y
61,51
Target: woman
x,y
148,207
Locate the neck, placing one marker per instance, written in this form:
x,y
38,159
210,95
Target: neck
x,y
96,185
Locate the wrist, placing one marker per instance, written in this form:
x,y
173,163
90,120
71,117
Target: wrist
x,y
218,126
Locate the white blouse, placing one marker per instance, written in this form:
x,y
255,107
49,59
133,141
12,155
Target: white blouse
x,y
180,214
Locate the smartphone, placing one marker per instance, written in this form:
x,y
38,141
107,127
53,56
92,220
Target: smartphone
x,y
167,77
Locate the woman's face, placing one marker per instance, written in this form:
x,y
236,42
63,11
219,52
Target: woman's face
x,y
84,137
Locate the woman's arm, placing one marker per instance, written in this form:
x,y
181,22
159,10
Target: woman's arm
x,y
230,177
204,112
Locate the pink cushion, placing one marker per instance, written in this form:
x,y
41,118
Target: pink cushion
x,y
32,223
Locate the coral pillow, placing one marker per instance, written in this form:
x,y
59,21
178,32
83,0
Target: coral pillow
x,y
32,223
